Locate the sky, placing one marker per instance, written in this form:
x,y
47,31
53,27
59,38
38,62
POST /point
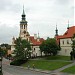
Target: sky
x,y
42,16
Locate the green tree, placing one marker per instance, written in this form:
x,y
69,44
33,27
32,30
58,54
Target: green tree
x,y
49,46
22,49
73,45
7,46
2,52
73,42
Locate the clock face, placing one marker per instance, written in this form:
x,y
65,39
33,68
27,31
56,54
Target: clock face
x,y
24,32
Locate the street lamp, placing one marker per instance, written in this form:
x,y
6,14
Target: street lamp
x,y
1,64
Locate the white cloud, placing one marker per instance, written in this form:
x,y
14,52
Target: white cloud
x,y
42,16
6,33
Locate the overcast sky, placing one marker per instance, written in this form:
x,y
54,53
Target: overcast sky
x,y
42,17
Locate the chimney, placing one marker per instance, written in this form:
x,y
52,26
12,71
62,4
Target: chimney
x,y
38,38
35,36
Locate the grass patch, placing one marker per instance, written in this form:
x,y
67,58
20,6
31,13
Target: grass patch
x,y
57,57
45,64
70,70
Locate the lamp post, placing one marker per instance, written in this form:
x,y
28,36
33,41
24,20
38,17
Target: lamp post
x,y
1,64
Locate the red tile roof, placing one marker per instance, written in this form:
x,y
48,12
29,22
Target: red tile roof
x,y
68,34
35,41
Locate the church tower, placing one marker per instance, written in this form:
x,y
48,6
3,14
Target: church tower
x,y
24,34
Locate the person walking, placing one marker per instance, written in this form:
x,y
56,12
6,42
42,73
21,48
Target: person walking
x,y
71,55
74,55
28,66
33,66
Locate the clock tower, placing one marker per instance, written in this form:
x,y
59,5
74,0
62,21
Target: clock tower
x,y
24,34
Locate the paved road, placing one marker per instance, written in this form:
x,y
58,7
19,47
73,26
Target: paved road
x,y
14,70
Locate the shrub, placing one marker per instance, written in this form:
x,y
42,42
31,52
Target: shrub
x,y
18,62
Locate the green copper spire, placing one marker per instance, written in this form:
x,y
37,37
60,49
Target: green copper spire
x,y
23,15
23,21
68,25
56,31
23,11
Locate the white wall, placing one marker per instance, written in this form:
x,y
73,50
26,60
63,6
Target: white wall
x,y
12,48
65,47
37,51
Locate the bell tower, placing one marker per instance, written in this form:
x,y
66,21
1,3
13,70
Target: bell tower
x,y
24,34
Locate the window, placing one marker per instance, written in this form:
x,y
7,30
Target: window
x,y
34,49
63,42
67,41
24,26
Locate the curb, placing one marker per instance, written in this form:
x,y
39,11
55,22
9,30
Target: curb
x,y
37,70
43,71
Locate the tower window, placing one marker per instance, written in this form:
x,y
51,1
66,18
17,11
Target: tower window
x,y
24,26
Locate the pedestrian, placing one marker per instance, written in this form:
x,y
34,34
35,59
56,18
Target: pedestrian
x,y
74,55
71,55
28,66
33,66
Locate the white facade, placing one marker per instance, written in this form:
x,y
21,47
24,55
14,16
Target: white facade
x,y
65,41
66,47
24,34
36,51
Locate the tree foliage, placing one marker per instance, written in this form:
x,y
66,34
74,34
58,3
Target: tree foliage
x,y
3,52
73,47
22,49
7,46
49,46
73,42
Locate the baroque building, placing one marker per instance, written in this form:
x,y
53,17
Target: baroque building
x,y
24,34
35,40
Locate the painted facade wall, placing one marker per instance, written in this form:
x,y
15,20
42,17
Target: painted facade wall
x,y
65,45
12,47
35,51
